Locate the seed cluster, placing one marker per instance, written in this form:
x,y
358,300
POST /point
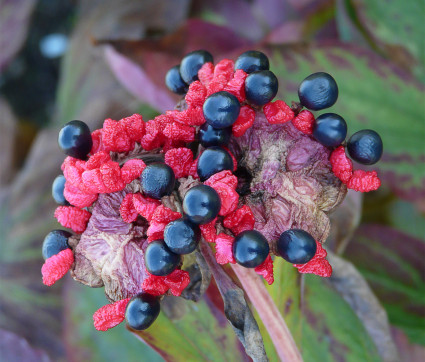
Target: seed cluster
x,y
222,102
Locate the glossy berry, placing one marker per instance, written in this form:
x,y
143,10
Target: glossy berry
x,y
159,259
57,190
213,160
251,61
296,246
210,136
250,248
55,242
141,311
192,62
181,236
365,147
175,82
201,204
318,91
75,139
158,180
330,129
221,109
261,87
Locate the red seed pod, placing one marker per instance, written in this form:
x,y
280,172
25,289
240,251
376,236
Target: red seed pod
x,y
224,68
134,127
278,112
115,138
224,249
206,73
228,196
78,198
55,267
217,84
180,160
240,220
193,116
154,138
194,169
176,282
208,231
160,219
110,315
235,161
73,170
196,94
131,170
225,177
266,270
111,176
318,265
342,166
236,85
92,182
96,137
73,218
145,206
127,211
304,122
180,132
97,160
364,181
244,121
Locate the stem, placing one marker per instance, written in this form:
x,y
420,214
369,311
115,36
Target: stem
x,y
275,324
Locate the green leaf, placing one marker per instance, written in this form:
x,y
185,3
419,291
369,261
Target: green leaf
x,y
395,22
321,322
392,262
195,334
372,94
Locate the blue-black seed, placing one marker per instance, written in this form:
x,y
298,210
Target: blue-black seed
x,y
158,180
365,147
210,136
55,242
330,129
252,61
296,246
221,109
181,236
201,204
159,259
261,87
318,91
175,82
75,139
58,186
141,311
250,248
192,62
212,161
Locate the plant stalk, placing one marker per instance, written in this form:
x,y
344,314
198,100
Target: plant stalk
x,y
275,324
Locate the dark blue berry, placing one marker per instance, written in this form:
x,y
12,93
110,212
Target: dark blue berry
x,y
181,236
221,109
57,190
55,242
192,62
250,248
141,311
261,87
210,136
296,246
159,259
75,139
201,204
251,61
175,82
330,129
158,180
365,147
213,160
318,91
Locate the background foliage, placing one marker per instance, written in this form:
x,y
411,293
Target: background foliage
x,y
117,55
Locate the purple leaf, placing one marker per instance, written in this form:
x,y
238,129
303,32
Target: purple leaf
x,y
137,82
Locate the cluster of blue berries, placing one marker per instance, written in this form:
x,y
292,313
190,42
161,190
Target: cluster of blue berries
x,y
319,91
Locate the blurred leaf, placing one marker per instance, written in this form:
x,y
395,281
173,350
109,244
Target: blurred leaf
x,y
7,138
14,20
16,349
408,351
395,23
392,262
85,343
372,94
405,217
